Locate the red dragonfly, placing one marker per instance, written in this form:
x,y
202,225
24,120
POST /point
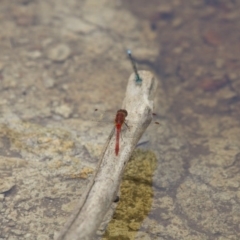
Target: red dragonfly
x,y
120,119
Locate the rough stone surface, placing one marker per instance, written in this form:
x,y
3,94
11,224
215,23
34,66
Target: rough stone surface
x,y
60,60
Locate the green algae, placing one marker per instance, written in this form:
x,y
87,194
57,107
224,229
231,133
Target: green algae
x,y
136,197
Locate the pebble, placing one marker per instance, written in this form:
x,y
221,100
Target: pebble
x,y
212,38
177,22
6,184
28,236
178,50
48,81
47,42
208,13
165,10
42,237
55,104
146,54
24,20
34,54
233,76
211,84
78,26
65,87
17,232
1,197
63,110
12,223
59,53
229,17
23,16
55,235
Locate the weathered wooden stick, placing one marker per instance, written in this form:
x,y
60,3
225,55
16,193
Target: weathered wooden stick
x,y
95,203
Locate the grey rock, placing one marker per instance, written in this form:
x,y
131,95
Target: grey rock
x,y
59,53
34,54
78,26
64,110
6,184
1,197
48,81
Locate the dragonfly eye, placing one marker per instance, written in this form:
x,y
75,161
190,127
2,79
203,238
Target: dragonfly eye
x,y
123,111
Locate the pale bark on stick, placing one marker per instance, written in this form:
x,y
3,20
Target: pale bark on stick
x,y
95,203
